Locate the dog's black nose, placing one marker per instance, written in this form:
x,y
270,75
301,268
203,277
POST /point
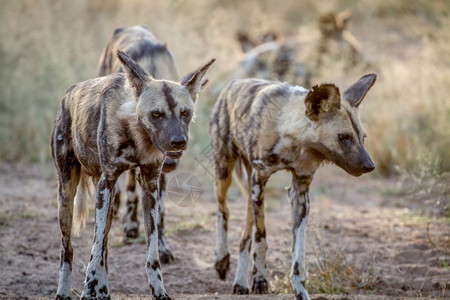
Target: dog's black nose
x,y
178,142
368,166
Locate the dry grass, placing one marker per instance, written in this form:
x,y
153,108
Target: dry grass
x,y
427,187
333,273
414,114
49,45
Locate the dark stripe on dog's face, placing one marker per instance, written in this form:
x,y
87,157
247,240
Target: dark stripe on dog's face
x,y
354,125
168,96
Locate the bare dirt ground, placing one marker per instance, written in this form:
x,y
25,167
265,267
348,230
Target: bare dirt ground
x,y
357,221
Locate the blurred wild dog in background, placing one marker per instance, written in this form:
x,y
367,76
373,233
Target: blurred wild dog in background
x,y
275,57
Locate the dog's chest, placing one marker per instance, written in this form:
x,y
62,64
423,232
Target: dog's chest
x,y
287,156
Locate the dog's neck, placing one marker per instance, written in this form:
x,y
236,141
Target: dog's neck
x,y
292,120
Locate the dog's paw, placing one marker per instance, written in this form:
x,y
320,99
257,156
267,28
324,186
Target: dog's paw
x,y
162,297
240,290
131,232
165,256
302,293
259,285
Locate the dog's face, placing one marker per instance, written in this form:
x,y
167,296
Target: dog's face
x,y
164,108
340,136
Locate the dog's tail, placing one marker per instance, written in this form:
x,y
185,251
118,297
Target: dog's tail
x,y
242,177
84,197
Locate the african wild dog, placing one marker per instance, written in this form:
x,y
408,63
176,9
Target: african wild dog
x,y
273,58
333,27
283,58
247,43
259,127
104,127
156,60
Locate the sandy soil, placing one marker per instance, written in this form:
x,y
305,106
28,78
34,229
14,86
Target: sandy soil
x,y
360,218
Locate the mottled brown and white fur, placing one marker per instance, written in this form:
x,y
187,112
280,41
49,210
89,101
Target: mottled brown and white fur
x,y
259,127
104,127
155,58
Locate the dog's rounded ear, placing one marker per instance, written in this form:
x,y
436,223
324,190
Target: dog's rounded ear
x,y
357,91
135,74
321,99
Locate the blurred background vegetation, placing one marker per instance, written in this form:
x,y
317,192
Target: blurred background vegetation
x,y
46,46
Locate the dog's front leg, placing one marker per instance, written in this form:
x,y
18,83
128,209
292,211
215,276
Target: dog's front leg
x,y
164,252
148,179
96,284
299,198
260,284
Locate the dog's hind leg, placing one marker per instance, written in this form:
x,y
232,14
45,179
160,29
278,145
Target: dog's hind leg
x,y
240,283
68,174
260,283
224,169
131,223
67,186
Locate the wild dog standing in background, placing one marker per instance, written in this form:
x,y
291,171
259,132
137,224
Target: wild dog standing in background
x,y
333,27
154,57
104,127
275,57
259,127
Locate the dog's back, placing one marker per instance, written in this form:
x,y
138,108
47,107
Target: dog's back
x,y
144,48
248,114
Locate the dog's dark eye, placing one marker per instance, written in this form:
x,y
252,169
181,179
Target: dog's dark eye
x,y
185,113
345,138
157,114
